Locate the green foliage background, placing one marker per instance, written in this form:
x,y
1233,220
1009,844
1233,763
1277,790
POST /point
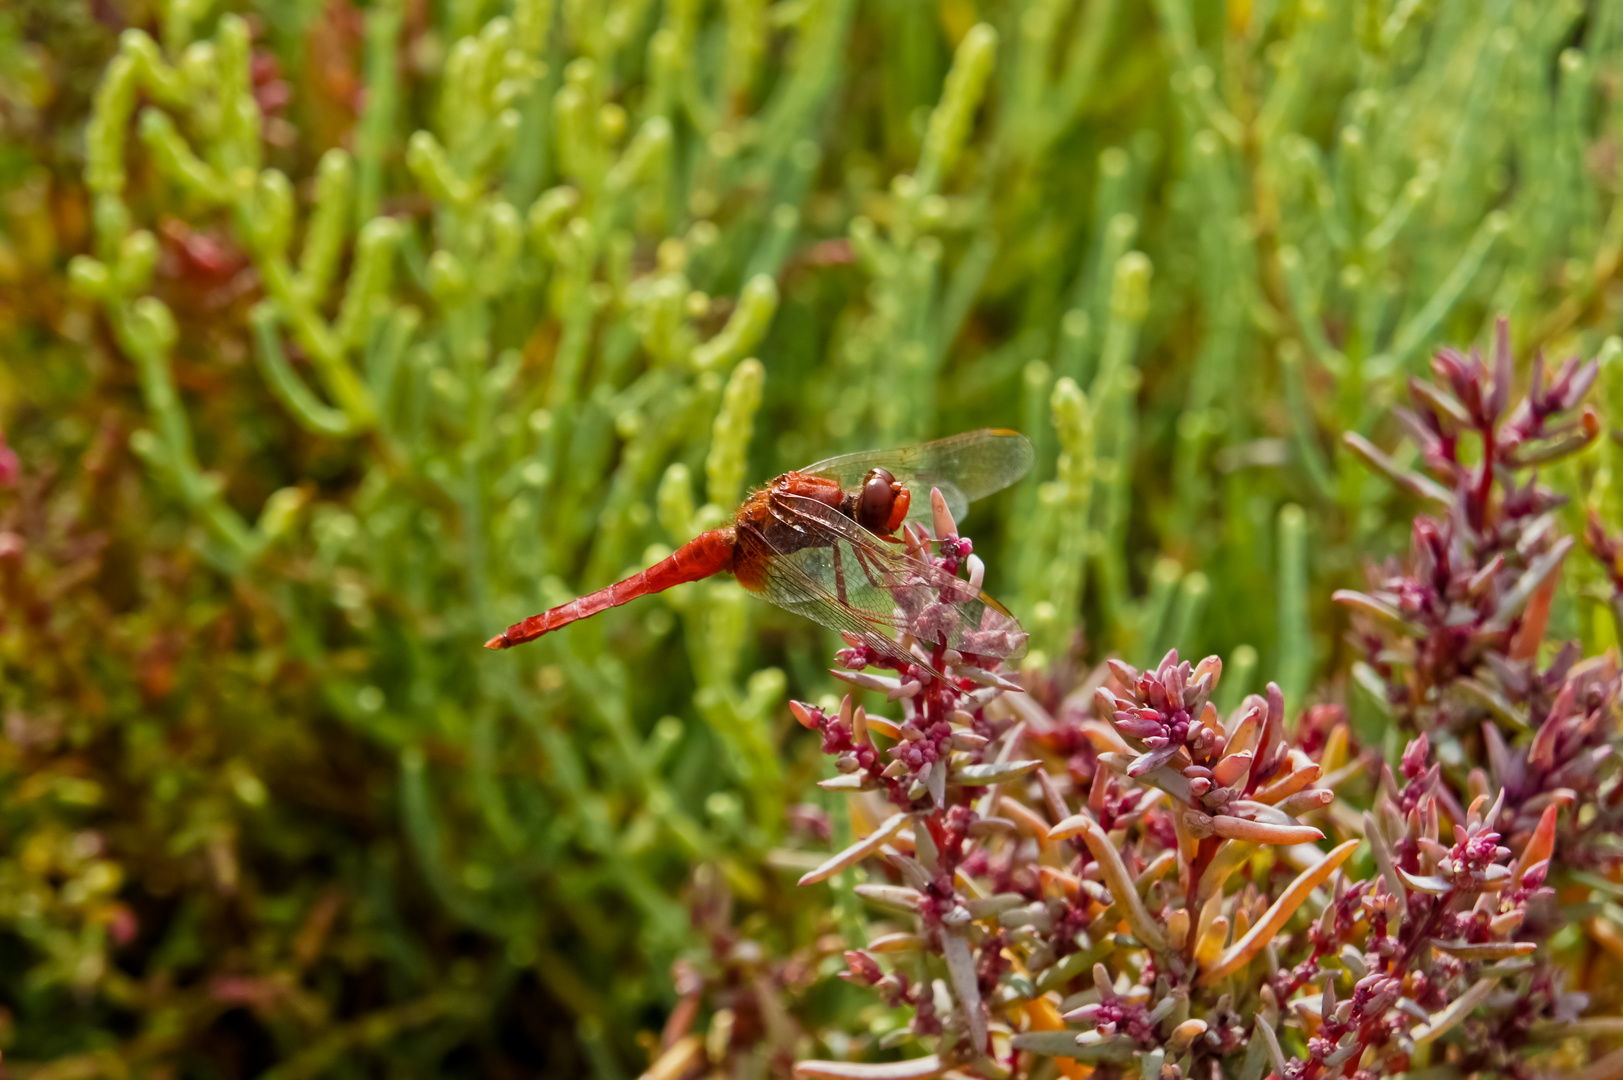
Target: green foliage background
x,y
337,337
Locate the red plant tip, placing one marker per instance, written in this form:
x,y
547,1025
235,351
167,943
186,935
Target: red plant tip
x,y
1414,757
862,968
498,642
806,717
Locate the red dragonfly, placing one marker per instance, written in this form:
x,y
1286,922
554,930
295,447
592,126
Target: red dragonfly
x,y
820,542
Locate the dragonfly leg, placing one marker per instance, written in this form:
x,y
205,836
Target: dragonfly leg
x,y
867,570
839,575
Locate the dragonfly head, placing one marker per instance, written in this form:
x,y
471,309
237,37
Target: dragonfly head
x,y
882,504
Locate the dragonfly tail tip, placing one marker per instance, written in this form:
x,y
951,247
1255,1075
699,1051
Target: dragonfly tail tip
x,y
498,642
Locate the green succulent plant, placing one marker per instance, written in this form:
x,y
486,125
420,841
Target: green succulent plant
x,y
338,336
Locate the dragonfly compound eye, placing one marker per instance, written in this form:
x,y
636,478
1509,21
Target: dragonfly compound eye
x,y
877,500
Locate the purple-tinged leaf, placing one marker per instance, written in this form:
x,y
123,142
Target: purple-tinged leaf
x,y
899,942
1504,370
1379,609
915,1069
1455,1011
1063,1044
1445,404
857,851
993,773
1511,604
961,972
1263,832
1412,482
895,897
1152,760
859,781
1485,950
1432,886
1143,925
1273,920
1485,697
1547,451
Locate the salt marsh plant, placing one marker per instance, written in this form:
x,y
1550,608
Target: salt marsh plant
x,y
1116,878
338,336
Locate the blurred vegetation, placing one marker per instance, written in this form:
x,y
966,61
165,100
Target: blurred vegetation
x,y
337,337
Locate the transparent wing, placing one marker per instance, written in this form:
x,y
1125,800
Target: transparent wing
x,y
851,581
965,467
786,584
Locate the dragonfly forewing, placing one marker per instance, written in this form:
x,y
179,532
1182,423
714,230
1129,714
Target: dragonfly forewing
x,y
964,467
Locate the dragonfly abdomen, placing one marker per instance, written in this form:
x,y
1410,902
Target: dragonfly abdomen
x,y
704,556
